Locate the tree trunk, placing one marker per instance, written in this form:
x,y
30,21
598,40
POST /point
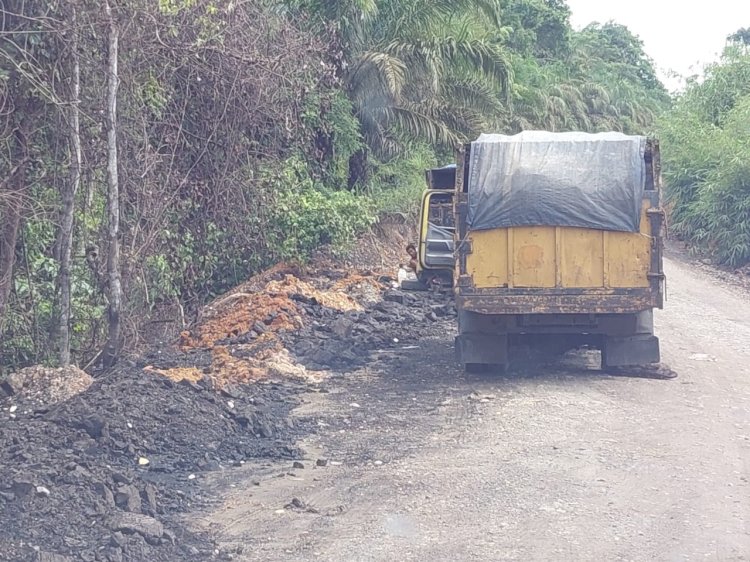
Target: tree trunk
x,y
12,192
112,348
10,219
358,169
68,196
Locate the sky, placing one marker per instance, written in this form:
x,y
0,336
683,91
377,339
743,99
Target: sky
x,y
680,35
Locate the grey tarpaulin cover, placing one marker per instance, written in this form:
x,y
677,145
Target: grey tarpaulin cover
x,y
557,179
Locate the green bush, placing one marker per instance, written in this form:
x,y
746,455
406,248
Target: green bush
x,y
397,185
307,215
329,120
706,149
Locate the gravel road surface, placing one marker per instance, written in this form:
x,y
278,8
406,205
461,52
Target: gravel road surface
x,y
556,462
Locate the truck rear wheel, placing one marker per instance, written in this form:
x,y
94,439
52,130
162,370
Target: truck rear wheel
x,y
480,352
631,351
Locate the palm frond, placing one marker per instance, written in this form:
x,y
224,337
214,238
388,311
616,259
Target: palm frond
x,y
416,121
382,67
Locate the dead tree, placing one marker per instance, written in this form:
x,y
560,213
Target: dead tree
x,y
12,193
68,196
112,347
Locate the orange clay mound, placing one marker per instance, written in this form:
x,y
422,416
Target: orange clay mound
x,y
271,308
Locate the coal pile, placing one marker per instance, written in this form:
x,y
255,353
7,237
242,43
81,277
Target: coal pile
x,y
101,476
344,341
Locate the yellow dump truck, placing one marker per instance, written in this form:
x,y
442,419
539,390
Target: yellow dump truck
x,y
552,239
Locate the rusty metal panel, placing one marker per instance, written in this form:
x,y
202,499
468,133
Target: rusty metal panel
x,y
488,269
581,258
563,256
557,301
629,255
533,256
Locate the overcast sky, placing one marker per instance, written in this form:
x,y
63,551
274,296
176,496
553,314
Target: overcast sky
x,y
677,34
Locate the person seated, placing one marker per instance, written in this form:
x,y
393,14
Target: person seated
x,y
413,261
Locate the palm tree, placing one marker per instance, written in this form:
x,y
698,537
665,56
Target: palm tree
x,y
426,70
585,91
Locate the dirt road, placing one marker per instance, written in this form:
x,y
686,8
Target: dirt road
x,y
559,462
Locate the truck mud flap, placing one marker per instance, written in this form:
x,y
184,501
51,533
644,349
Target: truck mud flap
x,y
482,349
630,351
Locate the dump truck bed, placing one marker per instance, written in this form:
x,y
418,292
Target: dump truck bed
x,y
561,269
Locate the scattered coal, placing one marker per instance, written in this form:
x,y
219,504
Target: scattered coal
x,y
169,359
344,341
102,475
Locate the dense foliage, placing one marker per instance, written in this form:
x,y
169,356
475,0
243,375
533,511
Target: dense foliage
x,y
252,132
706,147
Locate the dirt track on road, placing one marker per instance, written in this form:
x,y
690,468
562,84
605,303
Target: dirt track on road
x,y
557,462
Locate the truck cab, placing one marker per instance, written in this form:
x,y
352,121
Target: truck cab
x,y
437,227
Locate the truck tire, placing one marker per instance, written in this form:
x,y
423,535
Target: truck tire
x,y
482,352
632,351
